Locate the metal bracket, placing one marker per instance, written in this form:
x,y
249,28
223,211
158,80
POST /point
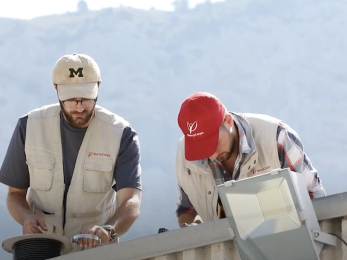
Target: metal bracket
x,y
232,233
303,215
76,238
275,171
325,238
229,183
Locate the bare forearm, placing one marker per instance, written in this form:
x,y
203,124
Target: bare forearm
x,y
125,215
189,218
18,207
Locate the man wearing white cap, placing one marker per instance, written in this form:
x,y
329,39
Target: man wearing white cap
x,y
75,156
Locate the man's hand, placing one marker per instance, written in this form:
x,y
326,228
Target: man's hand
x,y
189,218
189,225
33,224
19,209
103,234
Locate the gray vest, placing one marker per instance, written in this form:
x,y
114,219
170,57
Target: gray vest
x,y
91,198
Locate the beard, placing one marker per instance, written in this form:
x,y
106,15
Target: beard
x,y
226,155
77,122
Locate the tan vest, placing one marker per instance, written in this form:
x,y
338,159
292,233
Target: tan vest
x,y
198,182
91,198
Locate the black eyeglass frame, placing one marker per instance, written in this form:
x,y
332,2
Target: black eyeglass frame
x,y
79,101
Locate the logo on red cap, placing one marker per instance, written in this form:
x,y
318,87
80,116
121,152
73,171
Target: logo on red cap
x,y
192,126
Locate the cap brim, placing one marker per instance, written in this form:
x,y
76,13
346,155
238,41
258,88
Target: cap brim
x,y
88,91
201,149
8,243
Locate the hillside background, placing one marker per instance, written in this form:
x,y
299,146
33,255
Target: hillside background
x,y
284,58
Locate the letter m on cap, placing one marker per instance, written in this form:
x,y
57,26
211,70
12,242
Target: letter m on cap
x,y
78,73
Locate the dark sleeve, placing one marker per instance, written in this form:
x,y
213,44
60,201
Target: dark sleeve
x,y
183,203
127,171
14,171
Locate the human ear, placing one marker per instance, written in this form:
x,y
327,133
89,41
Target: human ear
x,y
228,120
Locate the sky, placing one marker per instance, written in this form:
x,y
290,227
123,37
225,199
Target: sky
x,y
28,9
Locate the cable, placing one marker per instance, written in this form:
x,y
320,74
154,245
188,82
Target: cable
x,y
343,241
37,248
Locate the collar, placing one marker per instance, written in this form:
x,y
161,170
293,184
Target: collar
x,y
247,143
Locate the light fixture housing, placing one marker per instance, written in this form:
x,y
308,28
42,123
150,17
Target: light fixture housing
x,y
272,217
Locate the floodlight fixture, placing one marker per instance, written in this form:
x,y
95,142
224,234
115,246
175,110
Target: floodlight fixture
x,y
273,218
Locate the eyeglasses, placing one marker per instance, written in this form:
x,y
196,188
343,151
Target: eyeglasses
x,y
73,103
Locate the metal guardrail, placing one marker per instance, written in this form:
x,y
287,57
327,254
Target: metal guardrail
x,y
332,206
208,233
159,244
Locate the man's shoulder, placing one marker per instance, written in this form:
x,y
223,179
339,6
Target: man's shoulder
x,y
257,120
263,128
107,116
22,124
23,119
258,117
45,111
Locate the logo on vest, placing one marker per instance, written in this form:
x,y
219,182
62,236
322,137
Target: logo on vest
x,y
90,154
254,171
191,128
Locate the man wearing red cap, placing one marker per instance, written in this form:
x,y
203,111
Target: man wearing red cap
x,y
220,146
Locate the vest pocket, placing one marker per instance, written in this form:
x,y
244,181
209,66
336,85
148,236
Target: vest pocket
x,y
98,175
41,170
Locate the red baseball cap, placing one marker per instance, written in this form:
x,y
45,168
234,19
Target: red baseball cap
x,y
200,117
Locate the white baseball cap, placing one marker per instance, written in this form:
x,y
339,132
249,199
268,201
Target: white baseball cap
x,y
76,75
